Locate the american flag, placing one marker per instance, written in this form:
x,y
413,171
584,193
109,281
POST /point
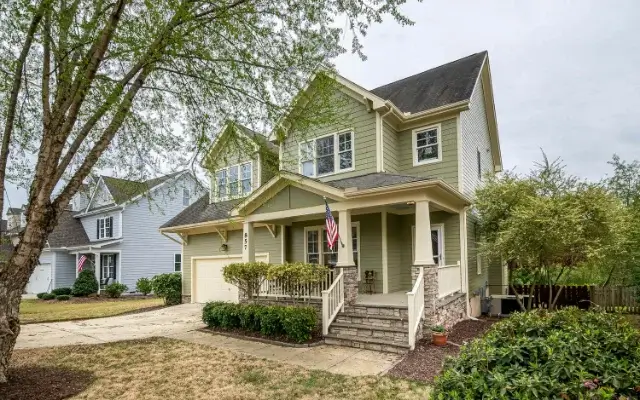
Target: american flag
x,y
81,262
332,228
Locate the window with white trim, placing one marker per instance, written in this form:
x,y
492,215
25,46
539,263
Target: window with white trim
x,y
437,243
104,227
108,265
427,146
317,246
177,262
327,155
186,197
233,181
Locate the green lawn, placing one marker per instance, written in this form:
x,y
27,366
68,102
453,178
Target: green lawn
x,y
32,311
160,368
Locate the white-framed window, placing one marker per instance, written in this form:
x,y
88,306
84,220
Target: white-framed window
x,y
479,160
177,262
108,266
233,181
437,243
317,247
186,197
104,227
327,155
427,145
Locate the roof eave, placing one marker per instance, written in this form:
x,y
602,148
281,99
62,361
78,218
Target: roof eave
x,y
212,223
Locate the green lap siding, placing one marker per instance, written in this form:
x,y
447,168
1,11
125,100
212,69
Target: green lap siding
x,y
288,198
390,149
209,244
476,280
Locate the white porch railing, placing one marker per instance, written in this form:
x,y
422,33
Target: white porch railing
x,y
275,288
415,302
449,279
332,302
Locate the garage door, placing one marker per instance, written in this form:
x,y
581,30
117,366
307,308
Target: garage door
x,y
209,285
40,279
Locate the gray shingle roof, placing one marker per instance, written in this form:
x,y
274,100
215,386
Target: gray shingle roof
x,y
260,138
14,211
68,232
374,180
202,211
446,84
123,190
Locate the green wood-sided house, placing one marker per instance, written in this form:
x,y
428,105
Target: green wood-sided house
x,y
399,173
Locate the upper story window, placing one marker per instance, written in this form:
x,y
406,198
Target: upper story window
x,y
427,145
233,181
327,155
104,227
186,196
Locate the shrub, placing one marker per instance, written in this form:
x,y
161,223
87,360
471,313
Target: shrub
x,y
246,276
169,287
115,290
564,354
61,291
40,295
63,297
296,277
85,284
296,323
48,296
143,285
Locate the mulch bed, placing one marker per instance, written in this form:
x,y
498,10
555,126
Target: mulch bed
x,y
38,383
425,362
316,336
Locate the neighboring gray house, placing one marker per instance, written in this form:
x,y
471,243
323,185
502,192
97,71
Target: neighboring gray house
x,y
116,229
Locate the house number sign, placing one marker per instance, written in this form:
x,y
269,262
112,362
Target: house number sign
x,y
246,240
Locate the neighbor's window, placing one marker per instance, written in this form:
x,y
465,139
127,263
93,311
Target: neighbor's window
x,y
104,227
177,262
426,145
233,181
479,159
186,197
327,155
108,263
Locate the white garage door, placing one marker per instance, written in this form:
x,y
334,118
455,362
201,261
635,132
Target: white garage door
x,y
209,284
40,279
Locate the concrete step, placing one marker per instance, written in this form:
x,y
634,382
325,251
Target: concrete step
x,y
359,342
374,320
394,334
377,310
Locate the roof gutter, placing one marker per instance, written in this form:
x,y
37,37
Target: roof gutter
x,y
409,186
100,211
217,222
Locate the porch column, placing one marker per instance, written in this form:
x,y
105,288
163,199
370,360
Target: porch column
x,y
96,268
424,259
345,257
77,254
248,243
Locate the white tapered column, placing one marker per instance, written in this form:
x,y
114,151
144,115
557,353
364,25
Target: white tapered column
x,y
248,243
423,245
345,244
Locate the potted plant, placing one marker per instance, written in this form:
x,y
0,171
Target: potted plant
x,y
439,335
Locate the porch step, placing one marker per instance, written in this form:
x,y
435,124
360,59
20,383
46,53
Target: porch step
x,y
360,342
375,310
396,335
374,320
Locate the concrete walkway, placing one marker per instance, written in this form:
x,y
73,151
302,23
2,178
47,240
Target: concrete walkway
x,y
180,322
335,359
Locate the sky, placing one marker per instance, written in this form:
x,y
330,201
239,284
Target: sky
x,y
566,74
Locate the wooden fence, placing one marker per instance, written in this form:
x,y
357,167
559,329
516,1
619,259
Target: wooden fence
x,y
611,298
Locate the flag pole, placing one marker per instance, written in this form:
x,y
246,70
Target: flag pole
x,y
339,237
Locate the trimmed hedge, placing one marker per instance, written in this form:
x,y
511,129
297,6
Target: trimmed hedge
x,y
62,291
568,354
143,285
169,287
85,284
296,323
115,290
48,296
63,297
41,295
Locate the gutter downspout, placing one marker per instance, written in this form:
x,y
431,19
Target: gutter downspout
x,y
466,264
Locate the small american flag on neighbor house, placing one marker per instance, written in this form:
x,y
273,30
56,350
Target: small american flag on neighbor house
x,y
81,262
332,228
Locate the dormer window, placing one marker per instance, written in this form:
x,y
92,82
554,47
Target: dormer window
x,y
186,197
427,145
327,155
233,181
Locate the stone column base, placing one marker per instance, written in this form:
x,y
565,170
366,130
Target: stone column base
x,y
430,291
186,299
350,284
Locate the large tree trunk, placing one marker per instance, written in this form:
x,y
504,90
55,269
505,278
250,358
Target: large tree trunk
x,y
14,276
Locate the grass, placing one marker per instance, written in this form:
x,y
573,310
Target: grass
x,y
32,311
162,368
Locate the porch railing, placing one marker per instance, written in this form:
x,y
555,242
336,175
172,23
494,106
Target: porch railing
x,y
332,302
275,288
449,279
415,302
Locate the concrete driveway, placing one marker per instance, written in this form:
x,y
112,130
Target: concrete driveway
x,y
164,322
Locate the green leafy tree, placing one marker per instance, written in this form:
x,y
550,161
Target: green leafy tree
x,y
108,83
548,222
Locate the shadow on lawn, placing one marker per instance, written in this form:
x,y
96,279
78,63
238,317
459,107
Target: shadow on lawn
x,y
39,383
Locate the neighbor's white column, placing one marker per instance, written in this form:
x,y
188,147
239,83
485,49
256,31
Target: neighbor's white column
x,y
345,244
97,268
77,257
248,243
